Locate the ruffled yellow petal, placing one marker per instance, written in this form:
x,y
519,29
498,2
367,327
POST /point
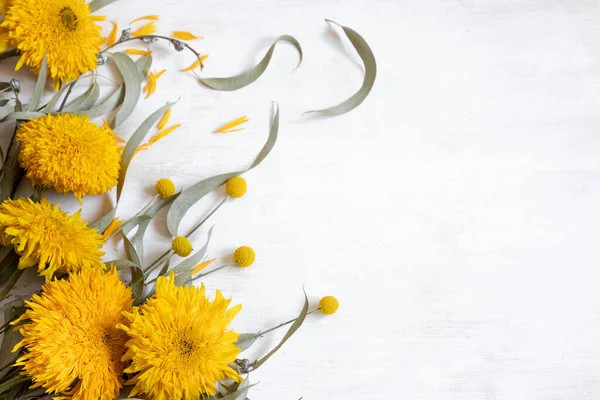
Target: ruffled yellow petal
x,y
145,30
150,87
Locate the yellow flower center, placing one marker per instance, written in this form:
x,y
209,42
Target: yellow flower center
x,y
185,347
68,18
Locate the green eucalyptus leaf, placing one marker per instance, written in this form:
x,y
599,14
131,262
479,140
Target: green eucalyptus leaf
x,y
165,268
246,78
131,252
107,106
86,101
8,265
195,193
12,173
246,340
143,65
365,53
137,282
98,4
152,211
133,87
3,103
134,142
6,110
103,222
54,100
189,263
122,265
23,115
39,86
11,336
239,394
288,334
138,238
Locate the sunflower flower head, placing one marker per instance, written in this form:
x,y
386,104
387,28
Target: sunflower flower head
x,y
70,337
63,30
179,345
45,235
329,305
70,153
244,256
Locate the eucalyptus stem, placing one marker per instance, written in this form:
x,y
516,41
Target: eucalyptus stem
x,y
191,232
64,101
13,382
12,281
170,39
291,321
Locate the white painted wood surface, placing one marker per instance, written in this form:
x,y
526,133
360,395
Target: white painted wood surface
x,y
455,214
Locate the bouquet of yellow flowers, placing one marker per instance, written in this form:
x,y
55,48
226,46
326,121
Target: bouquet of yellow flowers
x,y
109,329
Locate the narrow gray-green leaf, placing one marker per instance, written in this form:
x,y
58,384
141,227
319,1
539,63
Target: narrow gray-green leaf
x,y
137,282
36,96
86,101
131,252
138,238
238,394
23,115
11,336
287,335
365,53
54,100
264,152
98,4
11,171
103,222
9,54
143,65
246,78
134,142
6,110
191,196
133,87
195,259
122,265
3,103
246,340
107,106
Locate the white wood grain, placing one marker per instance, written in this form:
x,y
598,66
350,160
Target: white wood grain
x,y
455,214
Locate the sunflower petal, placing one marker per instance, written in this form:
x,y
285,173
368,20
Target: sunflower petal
x,y
145,30
196,64
184,35
227,127
146,17
112,37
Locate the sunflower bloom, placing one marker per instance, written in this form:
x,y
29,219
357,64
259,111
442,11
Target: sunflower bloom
x,y
150,87
63,30
45,235
179,344
70,153
71,341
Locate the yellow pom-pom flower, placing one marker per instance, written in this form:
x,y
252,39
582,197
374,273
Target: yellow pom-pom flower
x,y
45,235
165,188
329,305
244,256
69,153
70,337
63,30
182,246
236,187
180,345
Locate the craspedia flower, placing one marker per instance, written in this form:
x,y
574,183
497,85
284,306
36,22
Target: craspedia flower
x,y
63,30
236,187
244,256
70,337
329,305
45,235
182,246
179,344
165,188
69,153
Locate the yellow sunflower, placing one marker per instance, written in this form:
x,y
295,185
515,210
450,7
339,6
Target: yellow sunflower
x,y
71,342
70,153
179,344
64,30
43,234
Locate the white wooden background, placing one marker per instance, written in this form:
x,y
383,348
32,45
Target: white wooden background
x,y
455,214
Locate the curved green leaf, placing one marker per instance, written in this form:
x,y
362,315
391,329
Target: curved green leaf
x,y
195,193
246,340
133,87
98,4
189,263
134,142
54,100
86,101
143,65
107,106
103,222
365,53
246,78
23,115
34,102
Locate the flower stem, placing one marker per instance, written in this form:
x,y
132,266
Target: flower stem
x,y
190,233
11,283
280,325
17,380
64,102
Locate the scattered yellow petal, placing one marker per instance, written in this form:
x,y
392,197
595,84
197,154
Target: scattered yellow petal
x,y
184,35
150,87
227,127
117,137
196,64
99,18
201,266
162,134
112,37
146,17
112,228
164,120
145,30
138,52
